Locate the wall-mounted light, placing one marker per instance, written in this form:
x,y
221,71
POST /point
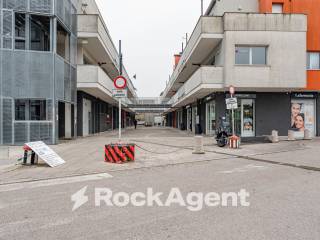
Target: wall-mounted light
x,y
84,41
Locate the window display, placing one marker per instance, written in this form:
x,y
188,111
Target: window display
x,y
303,115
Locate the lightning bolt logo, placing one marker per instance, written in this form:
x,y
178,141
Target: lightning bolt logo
x,y
79,198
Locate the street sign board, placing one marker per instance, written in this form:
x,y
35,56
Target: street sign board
x,y
119,93
120,82
232,106
231,101
46,153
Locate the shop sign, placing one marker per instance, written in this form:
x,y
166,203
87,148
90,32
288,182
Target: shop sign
x,y
303,95
243,95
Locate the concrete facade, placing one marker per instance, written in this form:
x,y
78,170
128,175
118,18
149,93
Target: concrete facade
x,y
266,92
218,7
37,71
98,64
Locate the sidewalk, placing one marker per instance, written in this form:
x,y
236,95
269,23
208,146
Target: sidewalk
x,y
165,146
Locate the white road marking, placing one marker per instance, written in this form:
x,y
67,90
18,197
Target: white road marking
x,y
244,169
53,182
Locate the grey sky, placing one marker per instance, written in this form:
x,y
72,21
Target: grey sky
x,y
152,32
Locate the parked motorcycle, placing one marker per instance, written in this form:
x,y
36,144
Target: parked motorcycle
x,y
223,132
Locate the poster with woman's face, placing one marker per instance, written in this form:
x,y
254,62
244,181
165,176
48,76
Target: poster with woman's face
x,y
303,115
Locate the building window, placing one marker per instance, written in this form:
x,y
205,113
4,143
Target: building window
x,y
313,61
251,55
277,8
37,110
21,110
63,42
20,31
30,110
35,35
7,32
39,33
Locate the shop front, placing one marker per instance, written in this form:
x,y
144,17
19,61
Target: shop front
x,y
211,118
244,115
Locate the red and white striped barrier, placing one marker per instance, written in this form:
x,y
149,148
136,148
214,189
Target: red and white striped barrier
x,y
119,153
234,142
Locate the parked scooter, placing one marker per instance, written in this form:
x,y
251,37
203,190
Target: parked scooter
x,y
223,132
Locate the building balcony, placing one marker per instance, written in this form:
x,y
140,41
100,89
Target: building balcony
x,y
206,36
93,80
205,80
96,40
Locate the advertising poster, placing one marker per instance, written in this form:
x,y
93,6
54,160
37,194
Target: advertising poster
x,y
303,115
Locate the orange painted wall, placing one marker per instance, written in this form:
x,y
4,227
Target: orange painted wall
x,y
312,9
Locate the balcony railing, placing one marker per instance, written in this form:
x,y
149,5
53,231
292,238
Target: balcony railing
x,y
211,76
94,74
205,25
91,24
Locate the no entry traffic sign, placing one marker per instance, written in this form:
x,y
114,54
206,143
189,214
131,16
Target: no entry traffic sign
x,y
232,90
120,82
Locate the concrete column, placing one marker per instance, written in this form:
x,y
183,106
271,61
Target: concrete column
x,y
68,124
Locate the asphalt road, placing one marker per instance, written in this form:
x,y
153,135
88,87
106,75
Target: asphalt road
x,y
284,204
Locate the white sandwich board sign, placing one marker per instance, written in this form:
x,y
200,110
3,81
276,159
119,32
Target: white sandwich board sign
x,y
46,153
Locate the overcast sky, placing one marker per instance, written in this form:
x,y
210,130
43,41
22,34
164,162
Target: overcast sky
x,y
152,32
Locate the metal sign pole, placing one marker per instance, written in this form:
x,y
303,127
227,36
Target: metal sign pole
x,y
120,71
119,119
232,91
232,121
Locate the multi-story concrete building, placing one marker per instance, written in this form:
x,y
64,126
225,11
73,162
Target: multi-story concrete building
x,y
260,48
98,65
37,70
53,84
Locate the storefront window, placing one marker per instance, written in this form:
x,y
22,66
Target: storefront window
x,y
211,118
244,117
303,115
248,121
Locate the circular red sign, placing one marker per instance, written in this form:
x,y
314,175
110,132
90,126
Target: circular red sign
x,y
120,82
232,90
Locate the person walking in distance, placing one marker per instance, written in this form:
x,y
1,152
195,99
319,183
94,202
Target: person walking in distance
x,y
135,123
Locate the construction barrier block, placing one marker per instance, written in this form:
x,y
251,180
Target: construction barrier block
x,y
234,142
119,153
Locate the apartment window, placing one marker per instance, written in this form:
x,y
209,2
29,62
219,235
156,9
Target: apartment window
x,y
277,8
313,61
63,42
251,55
39,33
20,31
30,110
